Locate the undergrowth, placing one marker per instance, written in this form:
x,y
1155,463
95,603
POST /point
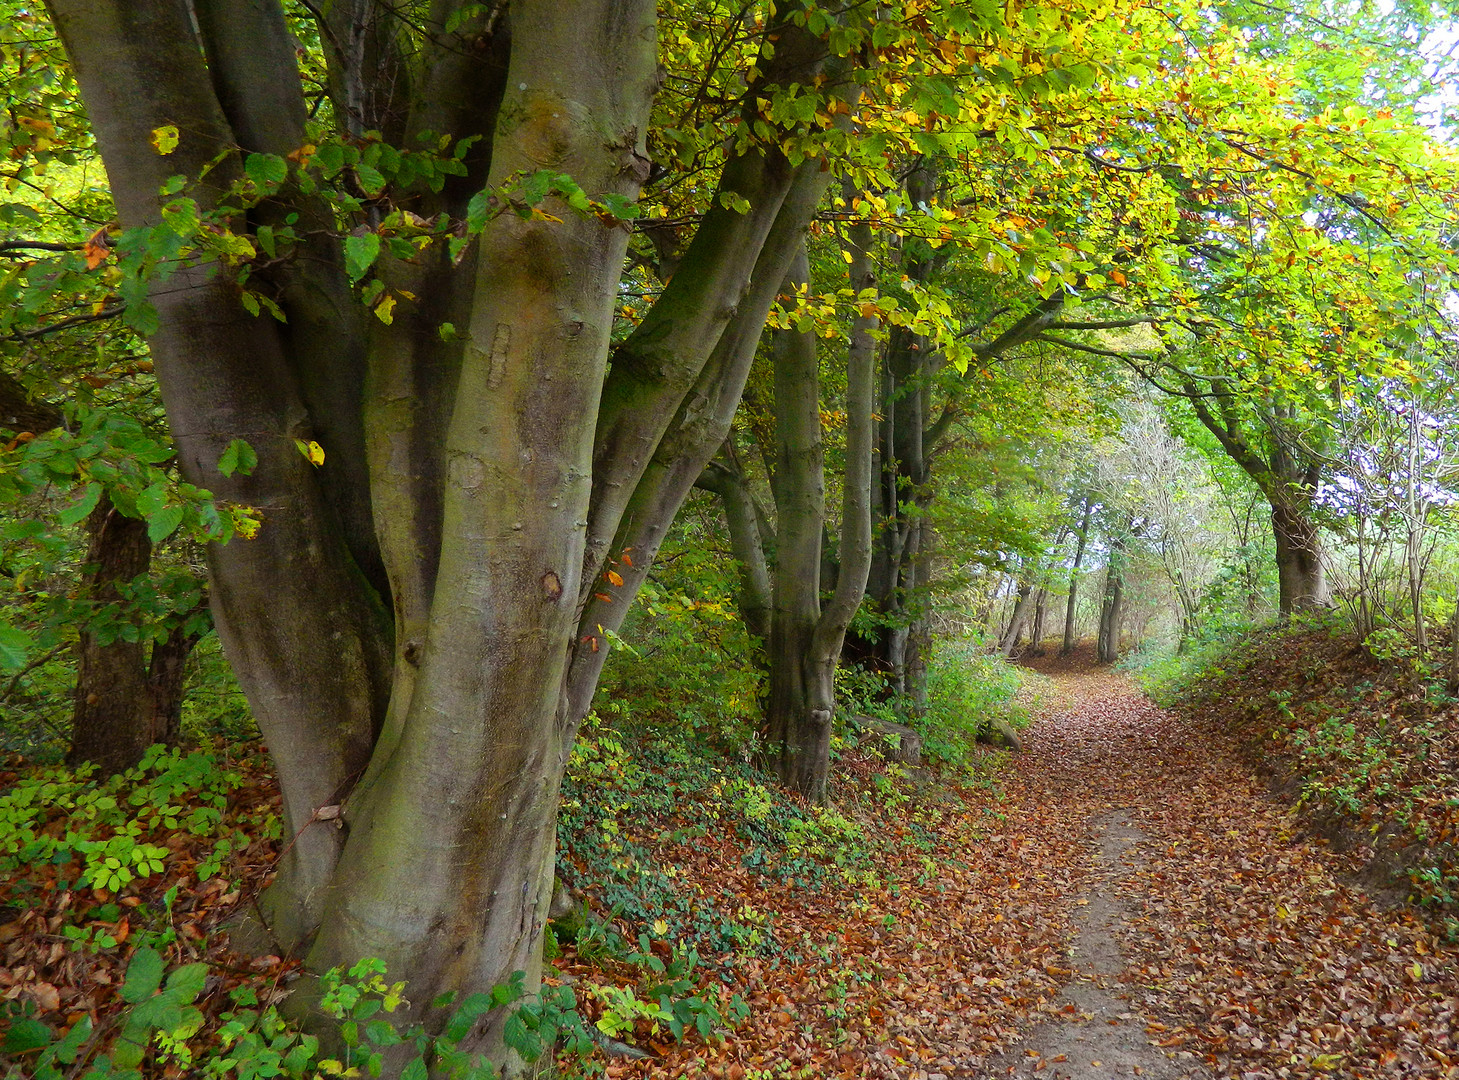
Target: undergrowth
x,y
1365,732
684,858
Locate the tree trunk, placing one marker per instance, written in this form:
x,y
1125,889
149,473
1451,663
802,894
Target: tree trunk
x,y
416,623
1301,582
113,720
1111,612
756,599
166,681
1074,578
1014,633
1040,611
797,722
806,640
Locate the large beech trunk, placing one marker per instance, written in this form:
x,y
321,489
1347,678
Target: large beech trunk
x,y
1302,585
417,623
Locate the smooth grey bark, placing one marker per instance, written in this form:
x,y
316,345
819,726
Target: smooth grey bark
x,y
454,888
1074,577
805,637
407,624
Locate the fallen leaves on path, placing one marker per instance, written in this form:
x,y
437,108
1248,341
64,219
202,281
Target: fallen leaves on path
x,y
1251,949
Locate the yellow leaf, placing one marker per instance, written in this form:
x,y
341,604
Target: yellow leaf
x,y
384,310
164,139
615,577
312,451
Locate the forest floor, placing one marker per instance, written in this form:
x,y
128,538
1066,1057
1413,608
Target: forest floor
x,y
1136,902
1128,898
1210,936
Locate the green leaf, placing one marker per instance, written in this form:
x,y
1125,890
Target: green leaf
x,y
360,253
90,496
164,523
187,981
459,1026
131,1046
620,206
416,1070
15,645
144,976
370,179
266,170
153,499
238,458
382,1033
67,1049
329,158
26,1035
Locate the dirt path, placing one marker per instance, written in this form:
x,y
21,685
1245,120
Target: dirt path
x,y
1094,1032
1205,937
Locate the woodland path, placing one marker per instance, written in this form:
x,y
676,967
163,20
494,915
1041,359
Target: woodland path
x,y
1131,900
1207,935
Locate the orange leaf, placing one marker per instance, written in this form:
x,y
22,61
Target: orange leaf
x,y
615,577
603,597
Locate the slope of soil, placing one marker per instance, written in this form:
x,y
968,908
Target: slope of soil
x,y
1368,745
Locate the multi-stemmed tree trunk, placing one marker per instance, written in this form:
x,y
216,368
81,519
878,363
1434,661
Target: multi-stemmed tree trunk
x,y
416,624
805,636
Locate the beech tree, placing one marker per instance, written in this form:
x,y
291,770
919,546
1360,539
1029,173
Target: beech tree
x,y
390,330
410,623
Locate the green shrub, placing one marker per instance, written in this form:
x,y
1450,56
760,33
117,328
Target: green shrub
x,y
104,826
968,690
684,657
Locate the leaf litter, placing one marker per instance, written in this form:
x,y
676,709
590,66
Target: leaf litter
x,y
1130,872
